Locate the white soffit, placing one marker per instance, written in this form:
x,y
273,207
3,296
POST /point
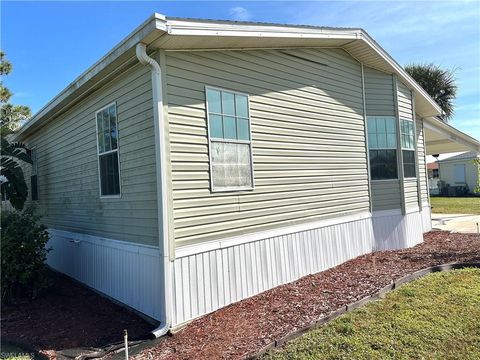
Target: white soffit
x,y
442,138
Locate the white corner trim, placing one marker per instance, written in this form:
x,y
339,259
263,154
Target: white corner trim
x,y
111,243
188,250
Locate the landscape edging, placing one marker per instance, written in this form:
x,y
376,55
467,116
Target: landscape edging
x,y
356,304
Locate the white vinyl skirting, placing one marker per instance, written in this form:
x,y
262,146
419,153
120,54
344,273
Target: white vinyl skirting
x,y
129,273
206,278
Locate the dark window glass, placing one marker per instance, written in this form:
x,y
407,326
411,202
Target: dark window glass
x,y
409,163
109,180
383,164
107,134
34,187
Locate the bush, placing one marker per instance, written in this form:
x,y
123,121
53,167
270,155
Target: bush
x,y
23,255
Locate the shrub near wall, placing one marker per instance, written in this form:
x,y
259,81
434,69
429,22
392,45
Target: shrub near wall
x,y
23,255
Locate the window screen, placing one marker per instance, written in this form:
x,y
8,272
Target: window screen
x,y
409,163
108,161
382,145
229,138
407,134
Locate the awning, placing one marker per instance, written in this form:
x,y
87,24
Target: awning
x,y
442,138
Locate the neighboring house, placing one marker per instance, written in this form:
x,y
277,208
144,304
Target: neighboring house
x,y
459,174
433,178
201,162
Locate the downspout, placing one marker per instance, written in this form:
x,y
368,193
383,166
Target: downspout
x,y
160,161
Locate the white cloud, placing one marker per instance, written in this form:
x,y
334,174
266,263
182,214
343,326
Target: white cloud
x,y
239,13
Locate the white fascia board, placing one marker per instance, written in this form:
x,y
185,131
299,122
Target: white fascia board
x,y
401,73
451,134
194,28
153,23
208,28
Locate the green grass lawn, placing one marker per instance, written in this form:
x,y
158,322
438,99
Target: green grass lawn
x,y
435,317
455,205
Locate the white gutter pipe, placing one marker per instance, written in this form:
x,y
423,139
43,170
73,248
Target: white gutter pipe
x,y
160,160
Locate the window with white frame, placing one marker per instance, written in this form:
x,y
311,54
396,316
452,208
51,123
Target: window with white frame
x,y
107,141
382,146
407,135
229,140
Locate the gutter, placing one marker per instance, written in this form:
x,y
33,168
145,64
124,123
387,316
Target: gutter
x,y
160,161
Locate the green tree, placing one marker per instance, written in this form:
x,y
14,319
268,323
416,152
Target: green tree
x,y
476,163
12,179
11,115
438,83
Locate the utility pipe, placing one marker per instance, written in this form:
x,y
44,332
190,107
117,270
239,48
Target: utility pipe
x,y
160,161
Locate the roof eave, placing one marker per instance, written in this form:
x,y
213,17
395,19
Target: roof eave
x,y
151,28
411,83
450,135
158,25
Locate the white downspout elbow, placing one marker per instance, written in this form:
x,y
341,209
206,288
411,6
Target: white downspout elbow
x,y
160,159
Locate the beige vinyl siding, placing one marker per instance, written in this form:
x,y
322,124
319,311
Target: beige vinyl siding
x,y
411,197
68,182
386,195
405,112
379,101
404,102
379,95
422,170
307,134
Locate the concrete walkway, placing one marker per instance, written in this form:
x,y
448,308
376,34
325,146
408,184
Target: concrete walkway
x,y
461,223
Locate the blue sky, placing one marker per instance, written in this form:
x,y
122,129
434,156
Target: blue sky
x,y
51,43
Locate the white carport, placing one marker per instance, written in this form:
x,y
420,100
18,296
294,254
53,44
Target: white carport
x,y
442,138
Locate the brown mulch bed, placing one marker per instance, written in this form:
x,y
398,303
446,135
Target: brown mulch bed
x,y
243,328
67,316
72,316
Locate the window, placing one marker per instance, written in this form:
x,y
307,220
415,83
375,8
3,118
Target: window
x,y
382,145
435,173
459,173
407,134
33,176
107,142
229,140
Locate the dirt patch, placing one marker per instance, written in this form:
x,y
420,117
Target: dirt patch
x,y
67,316
243,328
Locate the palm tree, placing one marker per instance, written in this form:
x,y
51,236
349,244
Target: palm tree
x,y
438,83
12,180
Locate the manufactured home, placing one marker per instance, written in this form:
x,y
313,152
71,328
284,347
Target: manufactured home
x,y
201,162
459,174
